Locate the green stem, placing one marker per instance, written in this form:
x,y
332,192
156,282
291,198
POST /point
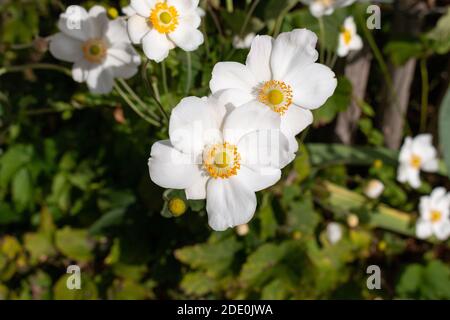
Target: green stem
x,y
230,6
150,88
247,18
36,66
133,106
137,98
425,91
164,78
189,73
322,38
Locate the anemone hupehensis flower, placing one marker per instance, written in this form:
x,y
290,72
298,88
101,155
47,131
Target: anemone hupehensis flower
x,y
220,155
416,154
99,48
349,40
280,75
162,25
434,215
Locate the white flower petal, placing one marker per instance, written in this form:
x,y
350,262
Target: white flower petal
x,y
186,37
128,11
156,45
424,207
80,70
317,9
232,75
143,7
99,20
257,178
137,28
413,177
65,48
183,5
442,230
258,59
264,148
169,168
76,23
247,118
100,80
229,203
423,229
431,165
233,98
406,151
312,86
197,191
295,120
116,31
356,43
195,122
292,51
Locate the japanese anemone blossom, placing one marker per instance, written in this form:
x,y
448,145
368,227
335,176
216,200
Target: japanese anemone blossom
x,y
349,40
99,48
434,215
222,156
280,75
416,154
319,8
161,25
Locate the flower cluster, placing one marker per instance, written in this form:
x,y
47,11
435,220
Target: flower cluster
x,y
226,147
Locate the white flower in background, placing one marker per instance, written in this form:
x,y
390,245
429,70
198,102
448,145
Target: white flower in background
x,y
334,232
434,215
349,40
320,8
280,75
162,25
223,158
374,189
415,155
244,43
99,48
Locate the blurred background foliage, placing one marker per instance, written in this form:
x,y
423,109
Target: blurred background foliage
x,y
74,184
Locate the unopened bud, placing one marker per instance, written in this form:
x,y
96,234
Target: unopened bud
x,y
177,207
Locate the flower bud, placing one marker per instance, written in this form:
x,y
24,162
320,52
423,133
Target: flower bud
x,y
177,207
374,189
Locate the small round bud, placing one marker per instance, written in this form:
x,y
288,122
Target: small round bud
x,y
378,163
352,220
242,229
177,207
113,13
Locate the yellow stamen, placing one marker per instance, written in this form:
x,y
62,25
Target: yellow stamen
x,y
94,50
164,18
177,207
221,160
435,216
347,35
415,161
277,95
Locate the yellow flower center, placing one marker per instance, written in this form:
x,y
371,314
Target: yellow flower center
x,y
435,216
415,161
94,50
347,35
277,95
221,160
177,206
164,18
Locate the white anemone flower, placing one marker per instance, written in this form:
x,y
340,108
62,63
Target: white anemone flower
x,y
415,155
434,215
349,40
223,157
128,11
319,8
281,75
162,25
374,189
99,48
243,43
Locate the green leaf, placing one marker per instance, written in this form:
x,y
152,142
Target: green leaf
x,y
22,189
74,243
7,214
12,160
444,129
197,283
267,218
127,290
338,102
215,258
109,219
401,51
302,165
440,35
302,216
88,290
39,246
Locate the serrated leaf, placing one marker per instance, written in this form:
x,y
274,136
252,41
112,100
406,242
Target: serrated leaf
x,y
74,243
197,283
